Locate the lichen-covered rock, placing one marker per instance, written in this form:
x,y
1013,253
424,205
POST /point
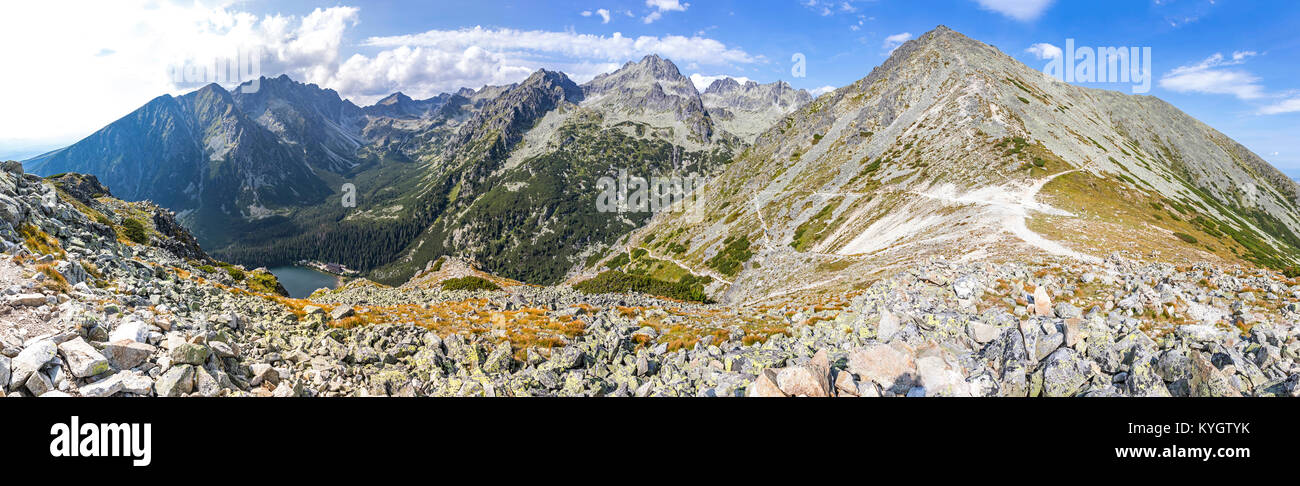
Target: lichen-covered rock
x,y
1064,373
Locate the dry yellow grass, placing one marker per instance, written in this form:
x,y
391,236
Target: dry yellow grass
x,y
53,280
40,242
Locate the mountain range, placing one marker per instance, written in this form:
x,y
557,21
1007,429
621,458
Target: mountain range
x,y
259,176
950,148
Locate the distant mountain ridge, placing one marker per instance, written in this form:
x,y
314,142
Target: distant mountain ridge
x,y
749,109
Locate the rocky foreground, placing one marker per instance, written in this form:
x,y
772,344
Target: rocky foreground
x,y
88,312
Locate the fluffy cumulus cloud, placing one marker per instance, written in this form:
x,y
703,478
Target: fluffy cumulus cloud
x,y
422,72
1214,75
661,7
506,55
1022,10
112,57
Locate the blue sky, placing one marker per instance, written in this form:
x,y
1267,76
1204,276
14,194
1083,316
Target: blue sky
x,y
1232,64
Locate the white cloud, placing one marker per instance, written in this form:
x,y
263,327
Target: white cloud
x,y
1210,77
1022,10
1179,13
444,60
862,20
662,6
603,13
422,72
827,8
892,42
702,81
112,57
821,91
1045,51
1286,106
571,44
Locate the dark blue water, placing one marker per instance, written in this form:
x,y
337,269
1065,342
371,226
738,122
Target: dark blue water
x,y
302,281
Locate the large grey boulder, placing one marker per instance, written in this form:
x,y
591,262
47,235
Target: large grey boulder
x,y
82,359
1064,373
127,353
29,361
177,381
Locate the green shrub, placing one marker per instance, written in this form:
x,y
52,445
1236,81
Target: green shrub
x,y
235,273
1186,237
1291,272
735,252
811,231
469,283
617,261
689,288
265,282
133,230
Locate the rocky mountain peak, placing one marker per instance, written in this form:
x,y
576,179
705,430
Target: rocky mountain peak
x,y
508,115
544,79
652,90
720,86
659,67
650,69
394,99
